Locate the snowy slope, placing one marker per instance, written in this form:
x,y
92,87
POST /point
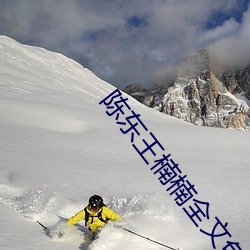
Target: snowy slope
x,y
58,147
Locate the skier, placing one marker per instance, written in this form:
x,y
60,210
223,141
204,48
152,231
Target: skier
x,y
95,214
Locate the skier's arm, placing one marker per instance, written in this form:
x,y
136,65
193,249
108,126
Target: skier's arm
x,y
110,214
77,217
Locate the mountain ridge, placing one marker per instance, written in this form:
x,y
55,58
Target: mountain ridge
x,y
202,95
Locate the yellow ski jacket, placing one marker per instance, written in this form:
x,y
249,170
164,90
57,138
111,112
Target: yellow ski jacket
x,y
94,223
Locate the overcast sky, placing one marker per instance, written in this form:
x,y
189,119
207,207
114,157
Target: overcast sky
x,y
131,41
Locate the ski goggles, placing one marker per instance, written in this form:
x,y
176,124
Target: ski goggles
x,y
94,208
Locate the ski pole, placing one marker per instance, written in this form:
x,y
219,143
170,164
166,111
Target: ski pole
x,y
45,228
149,239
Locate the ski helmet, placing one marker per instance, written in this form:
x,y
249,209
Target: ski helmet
x,y
96,202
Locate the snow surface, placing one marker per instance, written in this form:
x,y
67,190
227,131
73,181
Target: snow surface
x,y
58,147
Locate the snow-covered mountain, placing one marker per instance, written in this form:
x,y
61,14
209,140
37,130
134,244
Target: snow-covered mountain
x,y
201,95
59,146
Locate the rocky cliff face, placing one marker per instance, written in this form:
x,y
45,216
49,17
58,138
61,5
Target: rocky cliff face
x,y
237,81
200,96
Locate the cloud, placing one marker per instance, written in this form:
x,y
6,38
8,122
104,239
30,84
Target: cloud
x,y
121,41
228,28
233,49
